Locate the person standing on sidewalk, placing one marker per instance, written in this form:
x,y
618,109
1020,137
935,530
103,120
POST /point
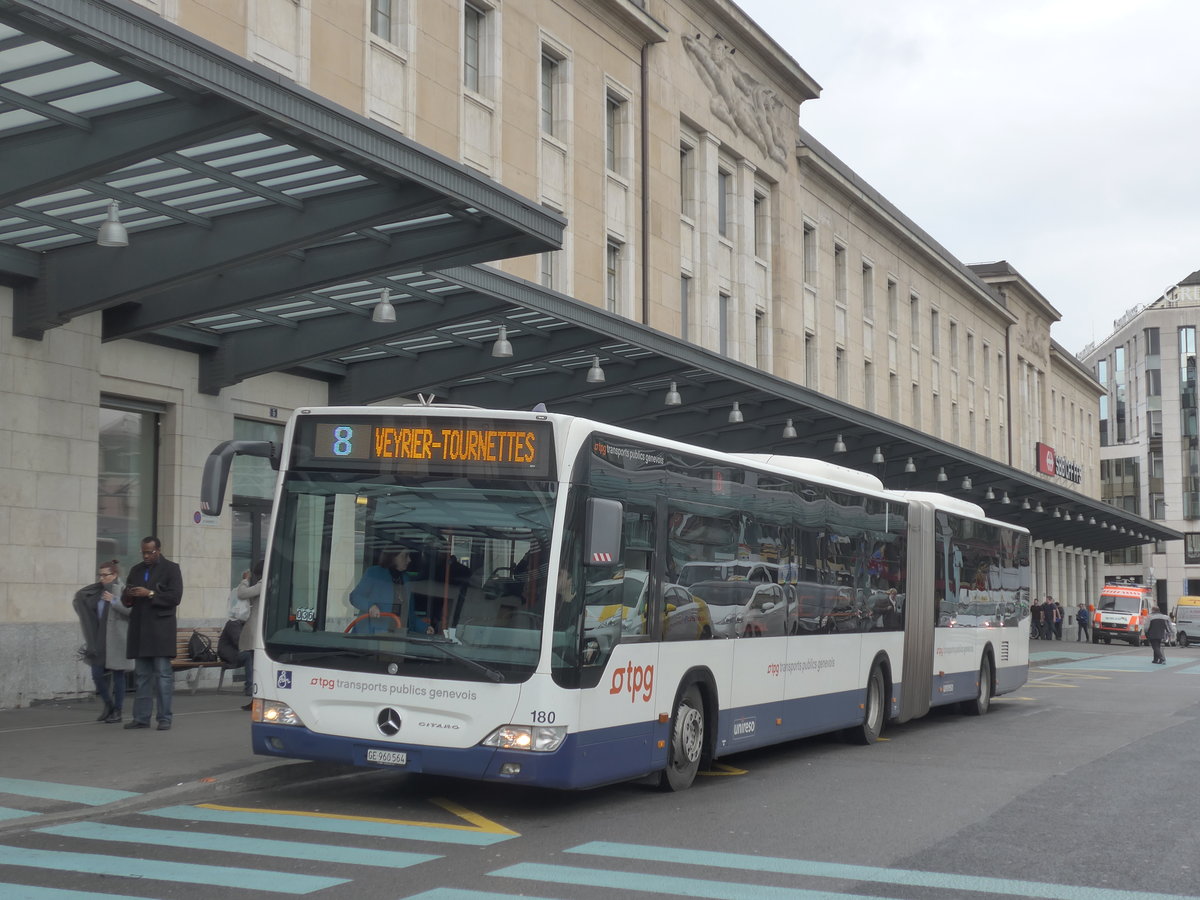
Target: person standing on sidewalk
x,y
1081,624
250,592
1159,628
153,594
105,625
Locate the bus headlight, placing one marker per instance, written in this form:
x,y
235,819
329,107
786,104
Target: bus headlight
x,y
539,738
272,712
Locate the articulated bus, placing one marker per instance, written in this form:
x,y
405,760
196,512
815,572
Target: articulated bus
x,y
547,600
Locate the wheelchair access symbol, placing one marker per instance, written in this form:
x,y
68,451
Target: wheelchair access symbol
x,y
283,679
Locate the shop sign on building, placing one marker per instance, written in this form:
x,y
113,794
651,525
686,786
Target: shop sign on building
x,y
1050,463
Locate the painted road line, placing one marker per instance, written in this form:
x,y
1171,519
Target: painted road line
x,y
643,883
445,893
7,812
225,843
175,872
74,793
33,892
366,827
782,866
1110,664
1051,654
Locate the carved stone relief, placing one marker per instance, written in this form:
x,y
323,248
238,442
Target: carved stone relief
x,y
740,101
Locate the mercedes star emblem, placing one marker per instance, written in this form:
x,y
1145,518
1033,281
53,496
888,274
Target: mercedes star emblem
x,y
388,722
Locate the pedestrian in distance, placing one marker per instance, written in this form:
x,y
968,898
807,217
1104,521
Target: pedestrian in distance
x,y
105,625
153,593
1082,623
1035,620
1059,615
1159,628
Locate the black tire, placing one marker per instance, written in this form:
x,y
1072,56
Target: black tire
x,y
874,707
1182,639
983,701
1095,638
686,742
1107,641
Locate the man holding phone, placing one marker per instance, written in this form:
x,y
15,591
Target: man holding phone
x,y
152,593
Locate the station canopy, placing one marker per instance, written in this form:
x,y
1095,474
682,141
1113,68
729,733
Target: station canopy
x,y
265,225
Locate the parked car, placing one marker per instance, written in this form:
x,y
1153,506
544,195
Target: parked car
x,y
744,608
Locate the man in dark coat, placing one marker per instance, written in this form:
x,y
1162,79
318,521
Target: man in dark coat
x,y
153,592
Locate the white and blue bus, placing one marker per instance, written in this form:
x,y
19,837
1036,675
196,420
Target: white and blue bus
x,y
548,600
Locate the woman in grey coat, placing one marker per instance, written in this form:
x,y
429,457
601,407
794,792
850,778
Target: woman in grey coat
x,y
250,592
105,626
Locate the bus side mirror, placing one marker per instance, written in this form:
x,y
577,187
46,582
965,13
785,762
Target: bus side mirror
x,y
602,532
218,464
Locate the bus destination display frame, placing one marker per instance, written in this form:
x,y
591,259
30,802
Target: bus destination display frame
x,y
426,445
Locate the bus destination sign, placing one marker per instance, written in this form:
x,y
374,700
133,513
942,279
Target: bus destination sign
x,y
465,446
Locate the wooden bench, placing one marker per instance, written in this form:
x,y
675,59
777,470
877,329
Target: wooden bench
x,y
183,663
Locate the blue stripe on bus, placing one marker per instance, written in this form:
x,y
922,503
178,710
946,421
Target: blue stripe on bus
x,y
158,870
325,824
910,877
606,755
49,790
227,843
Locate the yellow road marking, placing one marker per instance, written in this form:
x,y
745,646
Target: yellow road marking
x,y
721,769
478,822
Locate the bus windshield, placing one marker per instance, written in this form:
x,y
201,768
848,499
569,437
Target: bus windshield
x,y
441,577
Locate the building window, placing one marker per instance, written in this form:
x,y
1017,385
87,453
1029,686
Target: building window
x,y
935,345
685,307
1191,548
840,275
687,181
549,91
723,324
383,19
615,112
612,276
842,382
868,387
868,290
893,301
914,319
970,355
810,360
762,226
953,344
809,240
724,186
474,36
127,482
760,340
549,269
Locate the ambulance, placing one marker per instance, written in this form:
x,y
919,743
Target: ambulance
x,y
1187,621
1121,613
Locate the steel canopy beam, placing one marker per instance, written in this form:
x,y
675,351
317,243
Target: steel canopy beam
x,y
51,159
85,278
374,380
284,276
260,350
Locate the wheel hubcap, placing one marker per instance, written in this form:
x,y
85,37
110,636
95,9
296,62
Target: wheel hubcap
x,y
689,733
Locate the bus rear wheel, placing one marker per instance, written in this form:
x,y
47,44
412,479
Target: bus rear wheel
x,y
686,742
983,702
872,724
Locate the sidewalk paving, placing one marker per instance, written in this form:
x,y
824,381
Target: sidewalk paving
x,y
77,762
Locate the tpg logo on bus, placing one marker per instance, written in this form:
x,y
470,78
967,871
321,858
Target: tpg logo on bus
x,y
635,679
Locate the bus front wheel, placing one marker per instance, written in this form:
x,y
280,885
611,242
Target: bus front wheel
x,y
872,724
686,742
983,702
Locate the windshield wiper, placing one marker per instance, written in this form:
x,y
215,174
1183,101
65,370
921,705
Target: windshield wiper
x,y
444,646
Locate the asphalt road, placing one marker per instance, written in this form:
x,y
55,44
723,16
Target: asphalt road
x,y
1077,786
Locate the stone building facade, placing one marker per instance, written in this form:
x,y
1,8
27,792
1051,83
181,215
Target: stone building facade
x,y
669,135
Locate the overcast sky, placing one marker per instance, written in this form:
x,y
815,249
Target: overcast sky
x,y
1062,135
